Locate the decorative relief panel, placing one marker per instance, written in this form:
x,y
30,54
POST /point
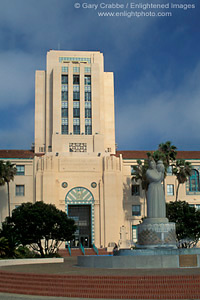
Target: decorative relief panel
x,y
77,147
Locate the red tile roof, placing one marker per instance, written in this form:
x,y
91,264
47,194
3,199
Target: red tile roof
x,y
16,154
188,154
143,154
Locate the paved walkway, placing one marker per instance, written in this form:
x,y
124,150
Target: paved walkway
x,y
4,296
155,282
69,267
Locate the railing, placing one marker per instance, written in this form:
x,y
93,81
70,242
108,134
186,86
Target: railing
x,y
67,246
95,249
82,249
69,249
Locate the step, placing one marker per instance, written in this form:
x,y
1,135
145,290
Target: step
x,y
78,252
124,287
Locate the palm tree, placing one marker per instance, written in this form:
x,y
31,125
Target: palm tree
x,y
7,173
182,170
2,182
169,151
140,175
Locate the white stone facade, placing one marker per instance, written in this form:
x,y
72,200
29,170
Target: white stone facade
x,y
75,164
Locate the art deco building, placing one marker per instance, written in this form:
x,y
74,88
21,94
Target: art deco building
x,y
75,129
74,164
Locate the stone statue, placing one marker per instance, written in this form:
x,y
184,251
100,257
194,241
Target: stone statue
x,y
156,207
156,231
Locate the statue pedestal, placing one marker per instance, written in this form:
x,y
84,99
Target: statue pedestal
x,y
156,233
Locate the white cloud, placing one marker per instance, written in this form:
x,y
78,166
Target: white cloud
x,y
170,115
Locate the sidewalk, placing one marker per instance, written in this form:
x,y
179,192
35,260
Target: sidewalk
x,y
4,296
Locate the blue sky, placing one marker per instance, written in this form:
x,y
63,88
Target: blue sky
x,y
155,60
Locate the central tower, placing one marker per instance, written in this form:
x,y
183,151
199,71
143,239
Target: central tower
x,y
74,104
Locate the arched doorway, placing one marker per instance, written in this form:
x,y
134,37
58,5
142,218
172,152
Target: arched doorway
x,y
79,203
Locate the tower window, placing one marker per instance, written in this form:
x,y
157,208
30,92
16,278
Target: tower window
x,y
64,129
76,92
88,129
76,95
64,104
76,112
64,87
76,87
87,104
76,109
64,79
76,79
76,104
76,129
64,112
87,96
76,69
88,126
87,70
76,125
87,88
64,126
87,80
64,69
64,95
88,112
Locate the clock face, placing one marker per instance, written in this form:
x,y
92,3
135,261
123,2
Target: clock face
x,y
93,185
64,185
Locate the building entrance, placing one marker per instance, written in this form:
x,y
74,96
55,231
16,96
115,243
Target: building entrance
x,y
82,217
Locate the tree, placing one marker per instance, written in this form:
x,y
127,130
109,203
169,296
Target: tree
x,y
1,172
166,152
182,170
169,151
140,173
4,247
41,226
8,234
7,173
187,220
141,168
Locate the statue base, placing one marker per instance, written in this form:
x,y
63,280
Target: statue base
x,y
156,233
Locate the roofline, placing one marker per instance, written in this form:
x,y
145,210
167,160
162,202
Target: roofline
x,y
142,154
